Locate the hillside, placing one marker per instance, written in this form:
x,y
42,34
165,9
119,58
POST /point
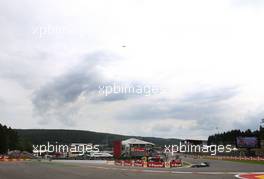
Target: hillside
x,y
42,136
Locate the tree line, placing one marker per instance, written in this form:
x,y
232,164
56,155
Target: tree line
x,y
9,140
62,136
229,137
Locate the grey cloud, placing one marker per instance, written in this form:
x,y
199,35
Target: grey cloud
x,y
251,121
59,96
205,107
199,103
23,68
2,101
210,96
111,98
65,89
162,128
129,90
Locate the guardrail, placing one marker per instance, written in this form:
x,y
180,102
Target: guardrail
x,y
232,158
241,158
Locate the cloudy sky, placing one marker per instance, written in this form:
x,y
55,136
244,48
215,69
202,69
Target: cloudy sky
x,y
205,57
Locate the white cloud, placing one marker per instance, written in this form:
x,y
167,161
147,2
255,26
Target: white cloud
x,y
184,47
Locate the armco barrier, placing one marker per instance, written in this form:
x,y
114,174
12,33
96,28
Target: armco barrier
x,y
233,158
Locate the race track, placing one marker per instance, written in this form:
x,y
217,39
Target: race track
x,y
81,170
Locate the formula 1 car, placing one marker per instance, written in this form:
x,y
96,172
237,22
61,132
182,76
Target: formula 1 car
x,y
203,164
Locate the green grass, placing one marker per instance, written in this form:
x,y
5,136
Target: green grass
x,y
48,163
243,161
248,161
184,164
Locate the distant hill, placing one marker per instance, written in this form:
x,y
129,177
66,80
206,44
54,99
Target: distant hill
x,y
42,136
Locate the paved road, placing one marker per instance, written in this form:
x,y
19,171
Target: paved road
x,y
226,166
56,170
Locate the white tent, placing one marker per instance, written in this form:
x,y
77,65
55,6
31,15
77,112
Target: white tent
x,y
134,141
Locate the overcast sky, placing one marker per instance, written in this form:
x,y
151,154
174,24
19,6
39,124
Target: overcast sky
x,y
206,58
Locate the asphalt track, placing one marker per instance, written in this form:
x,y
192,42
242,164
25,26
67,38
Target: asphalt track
x,y
88,170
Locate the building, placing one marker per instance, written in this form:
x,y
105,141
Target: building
x,y
136,148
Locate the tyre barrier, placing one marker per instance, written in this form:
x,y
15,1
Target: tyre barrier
x,y
141,163
6,159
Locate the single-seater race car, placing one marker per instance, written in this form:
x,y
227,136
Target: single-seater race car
x,y
202,164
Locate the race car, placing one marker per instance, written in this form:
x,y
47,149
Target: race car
x,y
203,164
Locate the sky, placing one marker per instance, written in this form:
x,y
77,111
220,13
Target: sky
x,y
205,58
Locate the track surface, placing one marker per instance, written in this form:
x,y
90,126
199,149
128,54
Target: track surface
x,y
62,170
